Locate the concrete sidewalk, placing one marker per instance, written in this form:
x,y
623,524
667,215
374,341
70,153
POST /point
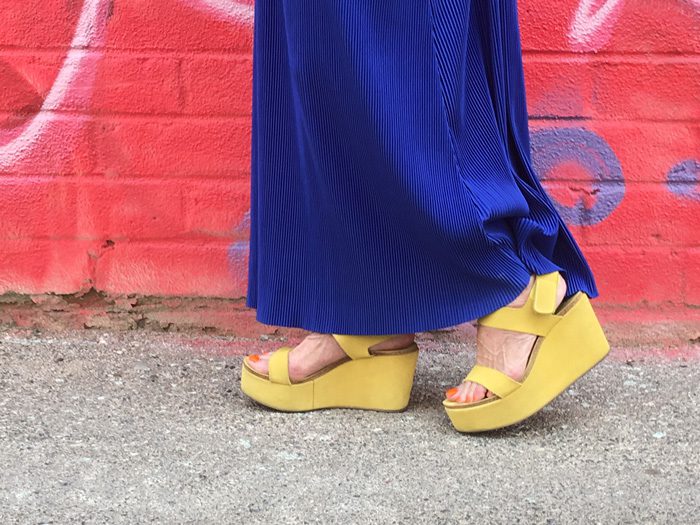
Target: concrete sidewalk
x,y
144,427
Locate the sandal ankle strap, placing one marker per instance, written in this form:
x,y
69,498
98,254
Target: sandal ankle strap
x,y
544,293
536,316
357,346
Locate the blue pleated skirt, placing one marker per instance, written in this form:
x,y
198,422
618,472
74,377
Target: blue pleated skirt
x,y
392,189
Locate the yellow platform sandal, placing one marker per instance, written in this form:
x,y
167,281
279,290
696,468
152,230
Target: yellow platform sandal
x,y
371,380
570,343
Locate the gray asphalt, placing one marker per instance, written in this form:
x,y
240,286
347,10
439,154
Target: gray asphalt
x,y
147,427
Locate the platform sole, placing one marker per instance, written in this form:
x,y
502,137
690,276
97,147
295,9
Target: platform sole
x,y
573,347
380,382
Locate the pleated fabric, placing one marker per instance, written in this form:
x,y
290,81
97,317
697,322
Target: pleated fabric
x,y
392,189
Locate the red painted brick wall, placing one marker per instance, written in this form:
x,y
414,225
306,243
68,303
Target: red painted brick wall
x,y
125,128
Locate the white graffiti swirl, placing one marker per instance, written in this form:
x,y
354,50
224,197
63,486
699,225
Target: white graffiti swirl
x,y
594,19
89,31
239,11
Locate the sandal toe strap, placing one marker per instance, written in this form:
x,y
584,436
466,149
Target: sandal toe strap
x,y
493,380
278,370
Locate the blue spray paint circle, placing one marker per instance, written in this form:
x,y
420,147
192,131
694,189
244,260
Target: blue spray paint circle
x,y
683,179
552,147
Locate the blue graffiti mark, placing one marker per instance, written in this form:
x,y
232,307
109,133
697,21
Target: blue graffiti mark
x,y
243,227
683,179
238,251
552,147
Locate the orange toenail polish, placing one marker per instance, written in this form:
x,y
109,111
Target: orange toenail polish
x,y
451,392
254,358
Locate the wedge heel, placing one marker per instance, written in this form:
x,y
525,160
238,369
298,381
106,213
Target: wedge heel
x,y
570,343
379,381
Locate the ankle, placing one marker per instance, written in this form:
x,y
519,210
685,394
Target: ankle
x,y
521,299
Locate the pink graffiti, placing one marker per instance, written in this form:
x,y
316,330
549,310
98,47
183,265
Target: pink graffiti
x,y
594,22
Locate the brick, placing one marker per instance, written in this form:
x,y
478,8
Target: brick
x,y
646,151
63,144
156,24
107,83
559,88
660,27
217,85
631,90
133,84
29,266
690,272
216,208
179,269
649,215
173,147
37,207
38,23
634,27
178,26
130,209
151,147
26,80
636,276
34,207
647,90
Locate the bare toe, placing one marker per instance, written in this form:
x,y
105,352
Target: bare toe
x,y
468,392
478,393
504,350
451,393
459,395
258,363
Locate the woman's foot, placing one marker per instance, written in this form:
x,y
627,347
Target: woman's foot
x,y
318,351
504,350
